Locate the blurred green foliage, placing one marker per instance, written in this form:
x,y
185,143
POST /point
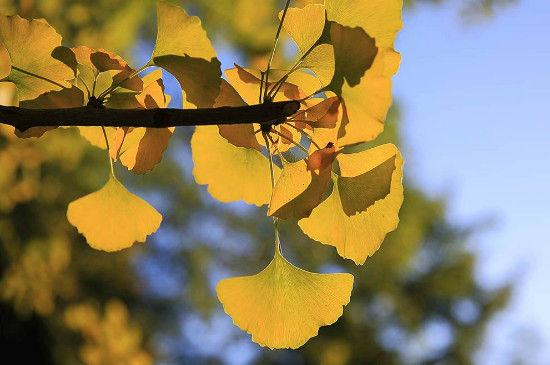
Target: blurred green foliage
x,y
415,301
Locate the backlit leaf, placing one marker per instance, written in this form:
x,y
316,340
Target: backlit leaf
x,y
298,190
30,45
305,25
64,98
363,206
381,19
241,135
112,218
183,49
366,105
232,173
284,306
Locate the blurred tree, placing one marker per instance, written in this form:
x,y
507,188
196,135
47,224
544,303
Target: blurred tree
x,y
415,301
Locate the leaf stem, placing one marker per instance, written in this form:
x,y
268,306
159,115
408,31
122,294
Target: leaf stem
x,y
108,151
272,175
291,141
37,76
114,86
275,47
304,133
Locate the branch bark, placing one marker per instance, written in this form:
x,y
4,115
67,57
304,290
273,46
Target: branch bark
x,y
24,119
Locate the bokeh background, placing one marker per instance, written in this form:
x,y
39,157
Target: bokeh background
x,y
463,280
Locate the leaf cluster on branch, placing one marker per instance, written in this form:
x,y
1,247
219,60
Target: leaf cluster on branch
x,y
276,137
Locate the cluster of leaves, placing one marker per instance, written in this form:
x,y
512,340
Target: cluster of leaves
x,y
300,167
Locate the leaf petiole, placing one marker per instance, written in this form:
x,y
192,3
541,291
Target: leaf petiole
x,y
275,47
272,175
305,134
108,151
291,141
115,86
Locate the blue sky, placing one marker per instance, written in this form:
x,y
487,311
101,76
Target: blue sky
x,y
474,99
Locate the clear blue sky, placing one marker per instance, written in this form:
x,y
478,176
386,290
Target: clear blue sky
x,y
475,100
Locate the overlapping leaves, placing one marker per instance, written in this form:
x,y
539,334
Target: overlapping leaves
x,y
346,200
300,166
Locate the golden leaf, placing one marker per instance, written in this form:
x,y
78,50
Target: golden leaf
x,y
284,306
112,218
363,206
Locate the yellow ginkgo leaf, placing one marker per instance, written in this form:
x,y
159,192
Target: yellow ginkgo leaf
x,y
381,19
64,98
305,25
143,156
366,105
354,52
183,49
241,135
112,218
321,61
232,173
32,49
298,190
284,306
363,206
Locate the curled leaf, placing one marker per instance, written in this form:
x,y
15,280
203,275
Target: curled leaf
x,y
112,218
284,306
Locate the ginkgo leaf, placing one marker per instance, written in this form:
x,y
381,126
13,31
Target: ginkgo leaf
x,y
232,173
94,135
354,52
240,135
321,61
324,114
298,190
31,46
183,49
284,306
107,68
381,19
305,25
64,98
363,206
322,159
112,218
366,105
143,156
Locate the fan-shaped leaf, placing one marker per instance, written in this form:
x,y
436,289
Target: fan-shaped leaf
x,y
112,218
363,206
284,306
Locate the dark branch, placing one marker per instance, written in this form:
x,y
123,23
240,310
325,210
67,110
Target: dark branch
x,y
267,113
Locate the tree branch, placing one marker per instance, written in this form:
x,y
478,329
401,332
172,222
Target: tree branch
x,y
267,113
